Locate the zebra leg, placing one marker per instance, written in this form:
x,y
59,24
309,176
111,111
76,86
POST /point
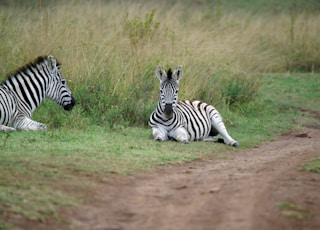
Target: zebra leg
x,y
160,134
218,125
210,138
180,134
28,124
4,128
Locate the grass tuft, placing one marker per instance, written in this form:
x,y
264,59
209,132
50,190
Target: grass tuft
x,y
313,166
294,211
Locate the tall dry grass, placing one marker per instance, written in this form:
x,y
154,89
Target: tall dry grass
x,y
109,50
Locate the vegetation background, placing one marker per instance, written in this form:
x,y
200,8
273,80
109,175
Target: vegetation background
x,y
109,50
256,61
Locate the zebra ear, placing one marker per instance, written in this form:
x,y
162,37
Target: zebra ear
x,y
52,62
160,73
177,74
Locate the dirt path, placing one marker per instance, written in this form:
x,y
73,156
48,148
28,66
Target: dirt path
x,y
238,193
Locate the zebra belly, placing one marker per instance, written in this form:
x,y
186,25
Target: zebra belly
x,y
7,107
196,118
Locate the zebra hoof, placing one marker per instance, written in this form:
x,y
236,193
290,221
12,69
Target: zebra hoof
x,y
8,130
42,127
185,142
159,139
236,144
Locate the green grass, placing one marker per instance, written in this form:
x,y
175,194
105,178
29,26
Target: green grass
x,y
6,226
37,169
270,6
313,166
296,90
294,211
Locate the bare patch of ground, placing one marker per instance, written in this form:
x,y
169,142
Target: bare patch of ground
x,y
238,193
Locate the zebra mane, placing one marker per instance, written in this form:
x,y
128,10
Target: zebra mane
x,y
33,63
169,74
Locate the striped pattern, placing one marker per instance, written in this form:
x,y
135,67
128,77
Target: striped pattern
x,y
185,120
24,90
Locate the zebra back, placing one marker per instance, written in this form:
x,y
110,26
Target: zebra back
x,y
38,80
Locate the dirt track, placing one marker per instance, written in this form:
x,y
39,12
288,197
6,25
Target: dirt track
x,y
238,193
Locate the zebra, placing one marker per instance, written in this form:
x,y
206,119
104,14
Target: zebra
x,y
184,120
23,91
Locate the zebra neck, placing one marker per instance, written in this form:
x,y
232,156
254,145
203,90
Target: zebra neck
x,y
28,89
161,113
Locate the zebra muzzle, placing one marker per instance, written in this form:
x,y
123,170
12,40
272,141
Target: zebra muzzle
x,y
69,107
168,111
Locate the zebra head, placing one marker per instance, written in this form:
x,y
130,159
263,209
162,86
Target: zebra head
x,y
169,88
58,89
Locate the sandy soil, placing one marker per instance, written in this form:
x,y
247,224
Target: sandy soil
x,y
242,192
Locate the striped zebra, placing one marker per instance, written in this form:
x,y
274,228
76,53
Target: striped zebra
x,y
23,91
186,120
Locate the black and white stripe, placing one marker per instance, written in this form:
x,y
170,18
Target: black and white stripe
x,y
185,120
24,90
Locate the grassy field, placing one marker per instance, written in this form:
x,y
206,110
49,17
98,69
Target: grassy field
x,y
38,168
112,48
257,63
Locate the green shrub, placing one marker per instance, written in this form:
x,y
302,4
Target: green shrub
x,y
239,89
138,30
